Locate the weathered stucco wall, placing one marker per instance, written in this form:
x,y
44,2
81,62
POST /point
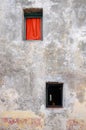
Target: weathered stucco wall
x,y
26,66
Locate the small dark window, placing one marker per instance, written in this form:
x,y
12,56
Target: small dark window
x,y
54,94
33,23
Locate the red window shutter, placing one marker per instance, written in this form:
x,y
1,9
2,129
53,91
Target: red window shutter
x,y
33,28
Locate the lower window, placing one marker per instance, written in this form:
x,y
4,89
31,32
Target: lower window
x,y
54,94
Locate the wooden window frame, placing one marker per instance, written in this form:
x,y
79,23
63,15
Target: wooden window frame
x,y
33,13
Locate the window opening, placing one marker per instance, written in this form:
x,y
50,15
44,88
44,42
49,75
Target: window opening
x,y
54,94
33,24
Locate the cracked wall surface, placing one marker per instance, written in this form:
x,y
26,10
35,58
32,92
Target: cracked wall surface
x,y
26,66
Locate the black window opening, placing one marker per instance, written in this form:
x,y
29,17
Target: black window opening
x,y
54,94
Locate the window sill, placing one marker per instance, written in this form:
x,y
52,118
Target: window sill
x,y
32,41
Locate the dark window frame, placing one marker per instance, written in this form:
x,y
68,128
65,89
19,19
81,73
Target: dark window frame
x,y
33,13
48,84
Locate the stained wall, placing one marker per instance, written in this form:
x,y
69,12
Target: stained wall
x,y
26,66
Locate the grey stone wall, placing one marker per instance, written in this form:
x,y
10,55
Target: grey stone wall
x,y
26,66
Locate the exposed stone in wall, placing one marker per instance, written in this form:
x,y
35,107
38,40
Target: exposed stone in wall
x,y
76,124
20,120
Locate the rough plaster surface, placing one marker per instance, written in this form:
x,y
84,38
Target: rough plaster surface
x,y
20,120
26,66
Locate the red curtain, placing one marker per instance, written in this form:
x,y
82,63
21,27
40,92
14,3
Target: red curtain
x,y
33,28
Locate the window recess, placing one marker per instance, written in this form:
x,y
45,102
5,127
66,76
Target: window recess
x,y
33,24
54,95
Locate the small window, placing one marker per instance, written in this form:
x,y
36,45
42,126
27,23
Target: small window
x,y
54,94
33,24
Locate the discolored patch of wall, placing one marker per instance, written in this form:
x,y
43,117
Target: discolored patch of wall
x,y
20,120
76,124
